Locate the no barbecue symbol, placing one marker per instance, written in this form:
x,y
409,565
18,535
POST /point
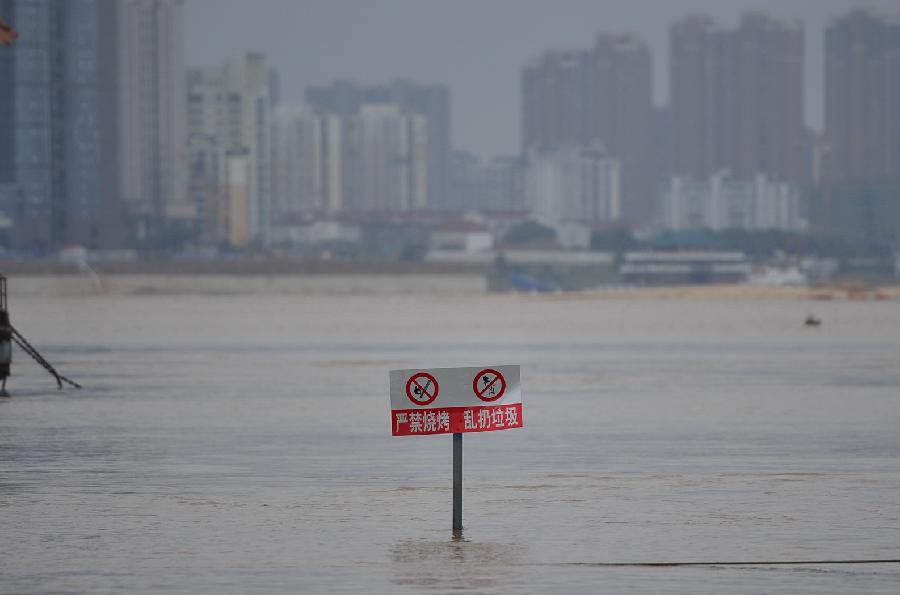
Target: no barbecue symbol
x,y
489,385
422,388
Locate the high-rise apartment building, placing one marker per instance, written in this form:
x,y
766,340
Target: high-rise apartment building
x,y
57,172
247,131
151,113
431,102
737,98
306,161
862,97
770,136
205,147
296,184
96,104
696,118
393,150
229,150
622,117
602,96
556,100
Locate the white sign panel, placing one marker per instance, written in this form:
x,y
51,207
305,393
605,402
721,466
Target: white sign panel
x,y
455,400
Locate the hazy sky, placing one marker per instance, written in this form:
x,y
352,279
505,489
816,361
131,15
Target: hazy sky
x,y
478,47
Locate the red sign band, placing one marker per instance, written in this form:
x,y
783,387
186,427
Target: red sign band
x,y
453,420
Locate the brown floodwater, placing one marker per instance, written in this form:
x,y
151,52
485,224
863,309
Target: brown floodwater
x,y
236,444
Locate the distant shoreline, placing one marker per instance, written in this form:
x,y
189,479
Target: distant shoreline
x,y
295,276
402,284
237,267
736,292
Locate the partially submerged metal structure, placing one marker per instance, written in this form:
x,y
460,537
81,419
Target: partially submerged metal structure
x,y
5,338
8,336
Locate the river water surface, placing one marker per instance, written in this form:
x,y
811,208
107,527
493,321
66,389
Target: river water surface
x,y
238,444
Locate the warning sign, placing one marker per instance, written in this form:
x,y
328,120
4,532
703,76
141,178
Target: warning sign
x,y
489,385
422,388
455,400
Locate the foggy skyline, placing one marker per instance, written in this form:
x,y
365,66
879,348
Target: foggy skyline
x,y
476,47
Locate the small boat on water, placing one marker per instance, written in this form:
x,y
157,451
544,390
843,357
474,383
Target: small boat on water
x,y
812,321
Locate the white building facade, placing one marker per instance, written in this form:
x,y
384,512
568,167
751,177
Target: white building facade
x,y
394,158
306,161
573,184
722,202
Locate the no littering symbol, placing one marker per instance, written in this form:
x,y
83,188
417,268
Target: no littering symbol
x,y
422,388
489,385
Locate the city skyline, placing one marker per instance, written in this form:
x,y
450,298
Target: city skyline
x,y
477,48
140,147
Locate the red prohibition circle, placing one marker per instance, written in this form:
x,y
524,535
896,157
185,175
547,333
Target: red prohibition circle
x,y
486,384
419,385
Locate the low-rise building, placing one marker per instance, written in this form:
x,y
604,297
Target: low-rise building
x,y
462,236
292,231
684,268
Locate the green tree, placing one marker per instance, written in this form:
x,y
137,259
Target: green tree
x,y
865,213
529,232
616,239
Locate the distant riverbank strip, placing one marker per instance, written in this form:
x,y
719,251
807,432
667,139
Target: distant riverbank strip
x,y
244,276
247,276
736,292
236,267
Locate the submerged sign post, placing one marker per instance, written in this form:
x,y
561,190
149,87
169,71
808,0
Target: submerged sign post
x,y
455,401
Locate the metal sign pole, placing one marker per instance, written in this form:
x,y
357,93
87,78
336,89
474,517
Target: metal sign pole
x,y
457,483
